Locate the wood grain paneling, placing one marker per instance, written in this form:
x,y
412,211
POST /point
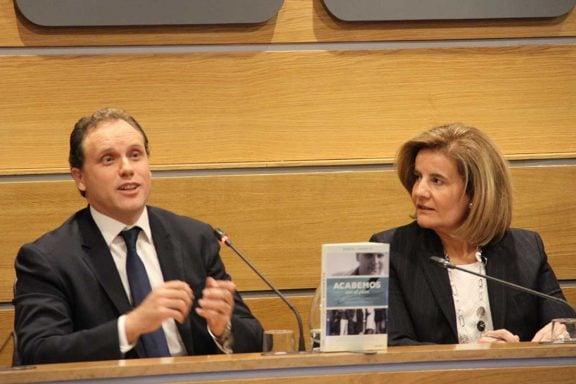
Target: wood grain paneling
x,y
275,314
6,341
543,202
570,293
550,374
298,21
280,221
278,108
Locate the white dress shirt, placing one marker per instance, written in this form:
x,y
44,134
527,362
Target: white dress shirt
x,y
110,230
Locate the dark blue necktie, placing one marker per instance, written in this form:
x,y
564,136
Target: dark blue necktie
x,y
154,342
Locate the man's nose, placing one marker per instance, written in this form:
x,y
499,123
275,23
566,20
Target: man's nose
x,y
126,167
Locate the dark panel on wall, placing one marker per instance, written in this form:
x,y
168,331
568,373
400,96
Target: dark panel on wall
x,y
59,13
388,10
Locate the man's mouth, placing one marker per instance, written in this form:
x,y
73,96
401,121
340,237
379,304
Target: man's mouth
x,y
128,187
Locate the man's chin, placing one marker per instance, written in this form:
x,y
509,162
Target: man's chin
x,y
130,212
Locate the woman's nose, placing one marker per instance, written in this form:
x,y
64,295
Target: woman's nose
x,y
421,189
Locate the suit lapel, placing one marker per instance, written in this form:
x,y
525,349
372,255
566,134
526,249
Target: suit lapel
x,y
98,256
496,267
170,253
168,249
437,277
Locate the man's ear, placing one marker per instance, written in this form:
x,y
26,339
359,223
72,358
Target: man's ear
x,y
78,177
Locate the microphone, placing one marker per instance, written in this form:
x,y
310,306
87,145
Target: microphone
x,y
224,239
448,265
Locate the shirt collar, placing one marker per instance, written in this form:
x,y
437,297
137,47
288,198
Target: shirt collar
x,y
110,228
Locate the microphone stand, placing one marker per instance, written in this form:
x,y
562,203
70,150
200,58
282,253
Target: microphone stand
x,y
220,235
448,265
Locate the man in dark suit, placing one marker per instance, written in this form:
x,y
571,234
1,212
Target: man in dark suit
x,y
76,295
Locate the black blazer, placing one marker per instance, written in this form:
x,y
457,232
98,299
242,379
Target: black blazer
x,y
69,294
421,307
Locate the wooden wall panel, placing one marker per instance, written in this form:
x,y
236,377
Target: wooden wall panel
x,y
562,374
278,108
570,293
298,21
280,221
273,313
543,200
6,341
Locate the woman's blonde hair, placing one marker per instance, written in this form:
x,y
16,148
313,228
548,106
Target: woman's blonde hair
x,y
483,169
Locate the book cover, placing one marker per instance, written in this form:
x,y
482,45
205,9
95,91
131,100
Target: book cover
x,y
354,296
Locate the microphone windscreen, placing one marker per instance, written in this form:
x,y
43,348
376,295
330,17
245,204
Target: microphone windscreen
x,y
442,261
219,234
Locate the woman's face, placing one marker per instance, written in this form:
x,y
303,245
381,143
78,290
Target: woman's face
x,y
439,194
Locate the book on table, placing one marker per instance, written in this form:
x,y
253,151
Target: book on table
x,y
354,296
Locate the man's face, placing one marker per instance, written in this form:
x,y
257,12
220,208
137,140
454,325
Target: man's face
x,y
369,263
116,174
